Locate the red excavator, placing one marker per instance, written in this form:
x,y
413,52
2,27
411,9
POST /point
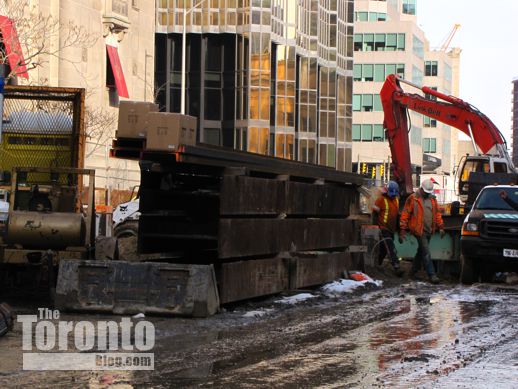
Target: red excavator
x,y
489,144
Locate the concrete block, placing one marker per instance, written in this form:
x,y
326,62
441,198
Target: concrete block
x,y
122,287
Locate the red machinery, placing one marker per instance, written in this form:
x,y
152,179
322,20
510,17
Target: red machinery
x,y
487,140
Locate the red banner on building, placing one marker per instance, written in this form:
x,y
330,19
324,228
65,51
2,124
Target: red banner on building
x,y
13,49
118,74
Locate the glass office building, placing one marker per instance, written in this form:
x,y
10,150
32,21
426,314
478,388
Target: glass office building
x,y
272,77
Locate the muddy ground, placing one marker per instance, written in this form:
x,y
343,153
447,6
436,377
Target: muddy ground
x,y
403,334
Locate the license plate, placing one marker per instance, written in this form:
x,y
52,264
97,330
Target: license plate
x,y
511,253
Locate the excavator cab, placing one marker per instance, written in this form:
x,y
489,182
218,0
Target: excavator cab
x,y
477,164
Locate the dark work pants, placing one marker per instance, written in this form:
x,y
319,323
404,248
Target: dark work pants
x,y
423,256
387,247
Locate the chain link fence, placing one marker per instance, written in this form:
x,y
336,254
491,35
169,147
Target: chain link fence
x,y
42,127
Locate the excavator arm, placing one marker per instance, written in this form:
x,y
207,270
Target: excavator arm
x,y
451,111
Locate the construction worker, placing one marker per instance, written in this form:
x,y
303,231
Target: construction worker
x,y
421,216
386,208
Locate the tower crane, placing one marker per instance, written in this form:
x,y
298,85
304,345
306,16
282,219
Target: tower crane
x,y
447,40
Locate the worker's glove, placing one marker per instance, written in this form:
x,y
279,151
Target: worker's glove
x,y
442,232
402,236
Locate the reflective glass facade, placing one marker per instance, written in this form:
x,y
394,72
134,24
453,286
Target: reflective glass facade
x,y
272,77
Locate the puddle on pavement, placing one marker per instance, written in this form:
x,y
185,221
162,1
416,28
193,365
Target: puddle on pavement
x,y
420,327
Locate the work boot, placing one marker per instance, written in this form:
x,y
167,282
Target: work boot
x,y
434,279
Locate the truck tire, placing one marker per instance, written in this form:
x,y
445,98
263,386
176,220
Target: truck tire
x,y
468,270
126,229
127,234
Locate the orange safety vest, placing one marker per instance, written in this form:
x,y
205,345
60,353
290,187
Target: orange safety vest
x,y
388,212
412,216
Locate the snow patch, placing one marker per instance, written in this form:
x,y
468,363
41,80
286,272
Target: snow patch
x,y
347,286
257,313
297,298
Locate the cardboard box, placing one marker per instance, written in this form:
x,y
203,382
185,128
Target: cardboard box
x,y
133,118
167,131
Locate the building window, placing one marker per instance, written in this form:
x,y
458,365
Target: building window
x,y
418,47
409,7
430,68
429,122
212,136
417,75
447,72
379,42
378,135
429,145
357,72
331,156
377,103
361,16
120,7
358,42
370,16
377,16
368,42
307,149
377,72
357,100
416,137
391,42
366,132
367,103
429,96
357,131
367,72
446,146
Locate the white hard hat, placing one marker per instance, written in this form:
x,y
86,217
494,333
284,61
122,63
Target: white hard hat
x,y
427,186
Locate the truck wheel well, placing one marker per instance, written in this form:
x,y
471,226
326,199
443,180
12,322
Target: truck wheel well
x,y
127,228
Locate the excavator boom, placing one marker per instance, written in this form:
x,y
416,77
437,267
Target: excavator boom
x,y
451,111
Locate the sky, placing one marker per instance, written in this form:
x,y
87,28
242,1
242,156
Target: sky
x,y
488,37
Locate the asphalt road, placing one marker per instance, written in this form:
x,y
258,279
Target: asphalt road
x,y
404,334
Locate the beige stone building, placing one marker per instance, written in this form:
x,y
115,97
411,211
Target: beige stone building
x,y
388,40
104,46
